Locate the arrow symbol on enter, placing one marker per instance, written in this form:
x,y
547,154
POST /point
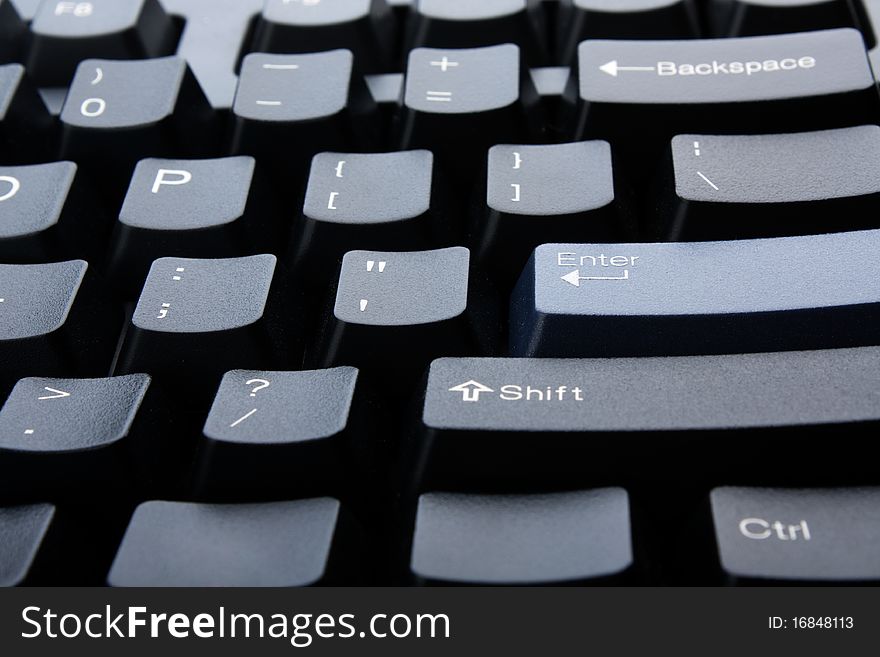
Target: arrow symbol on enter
x,y
59,394
612,68
575,277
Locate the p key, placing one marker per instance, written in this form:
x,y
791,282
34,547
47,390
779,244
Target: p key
x,y
118,112
197,208
729,187
787,293
65,33
790,82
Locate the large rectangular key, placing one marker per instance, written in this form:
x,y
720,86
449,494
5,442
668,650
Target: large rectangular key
x,y
770,84
735,186
508,423
785,293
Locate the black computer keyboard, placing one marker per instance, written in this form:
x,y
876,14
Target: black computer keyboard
x,y
445,292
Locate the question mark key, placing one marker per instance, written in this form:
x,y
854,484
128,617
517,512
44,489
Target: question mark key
x,y
290,428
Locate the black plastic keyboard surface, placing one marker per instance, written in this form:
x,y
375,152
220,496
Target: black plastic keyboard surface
x,y
432,292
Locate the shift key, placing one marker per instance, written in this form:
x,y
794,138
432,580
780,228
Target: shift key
x,y
807,292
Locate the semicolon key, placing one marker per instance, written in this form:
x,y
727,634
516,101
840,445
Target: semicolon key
x,y
198,318
731,187
787,293
653,90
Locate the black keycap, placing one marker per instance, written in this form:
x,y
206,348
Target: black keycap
x,y
749,17
197,319
538,194
118,112
65,33
44,215
623,19
53,322
803,535
808,292
493,423
458,103
26,133
23,529
214,36
728,187
400,310
572,537
12,29
297,543
71,435
195,208
655,89
278,433
363,26
289,107
375,201
467,24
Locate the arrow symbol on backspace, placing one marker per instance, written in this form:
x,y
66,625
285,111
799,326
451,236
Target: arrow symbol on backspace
x,y
59,394
612,68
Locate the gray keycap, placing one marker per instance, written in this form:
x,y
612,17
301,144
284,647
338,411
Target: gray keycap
x,y
315,13
272,435
22,531
187,194
654,394
811,166
462,81
32,197
181,544
70,415
108,94
719,297
35,300
184,295
399,289
293,87
522,539
511,422
550,180
281,408
725,70
794,534
374,188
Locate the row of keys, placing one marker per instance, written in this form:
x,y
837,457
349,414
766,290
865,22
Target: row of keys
x,y
211,315
271,434
758,535
717,187
457,102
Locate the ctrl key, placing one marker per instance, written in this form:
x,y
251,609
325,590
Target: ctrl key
x,y
814,535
